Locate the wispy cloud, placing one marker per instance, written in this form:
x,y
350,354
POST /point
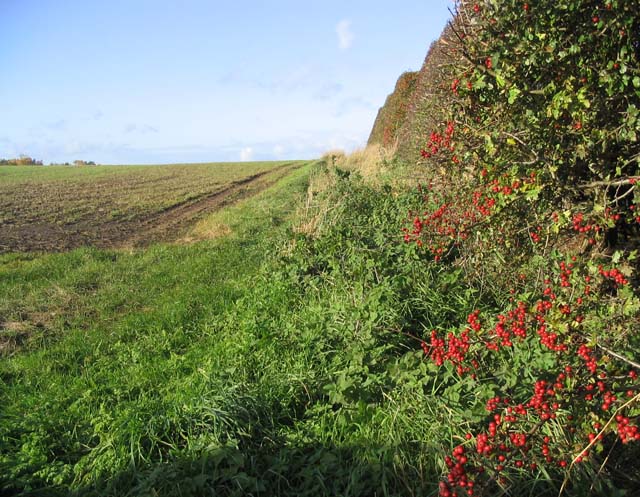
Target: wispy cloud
x,y
302,145
142,129
246,154
327,91
80,147
345,35
58,125
352,104
290,80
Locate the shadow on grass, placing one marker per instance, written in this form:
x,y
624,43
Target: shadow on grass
x,y
304,470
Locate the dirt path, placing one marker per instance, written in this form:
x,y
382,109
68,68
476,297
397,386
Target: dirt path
x,y
173,222
167,225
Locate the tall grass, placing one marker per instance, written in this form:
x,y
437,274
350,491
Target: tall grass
x,y
371,162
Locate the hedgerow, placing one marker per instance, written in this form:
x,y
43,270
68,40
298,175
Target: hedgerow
x,y
533,165
393,113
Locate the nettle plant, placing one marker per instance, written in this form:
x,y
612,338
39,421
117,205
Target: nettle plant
x,y
541,153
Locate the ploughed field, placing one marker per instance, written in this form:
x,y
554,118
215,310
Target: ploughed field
x,y
54,208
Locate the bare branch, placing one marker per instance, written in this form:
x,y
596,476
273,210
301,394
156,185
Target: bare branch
x,y
625,181
618,356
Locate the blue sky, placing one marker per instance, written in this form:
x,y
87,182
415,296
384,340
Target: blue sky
x,y
160,81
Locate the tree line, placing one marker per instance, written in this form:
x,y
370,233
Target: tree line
x,y
25,160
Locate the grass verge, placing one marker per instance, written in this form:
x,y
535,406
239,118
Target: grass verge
x,y
281,359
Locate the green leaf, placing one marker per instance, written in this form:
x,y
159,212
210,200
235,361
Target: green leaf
x,y
616,257
514,93
582,98
533,194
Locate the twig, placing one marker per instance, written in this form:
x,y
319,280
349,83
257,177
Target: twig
x,y
594,441
604,463
400,332
627,193
618,356
521,142
626,181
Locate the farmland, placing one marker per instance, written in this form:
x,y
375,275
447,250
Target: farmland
x,y
61,207
458,315
93,339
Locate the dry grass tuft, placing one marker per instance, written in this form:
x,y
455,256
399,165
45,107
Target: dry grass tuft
x,y
14,335
313,214
333,156
206,229
371,162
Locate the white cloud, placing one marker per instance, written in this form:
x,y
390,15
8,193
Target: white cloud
x,y
278,151
246,154
345,35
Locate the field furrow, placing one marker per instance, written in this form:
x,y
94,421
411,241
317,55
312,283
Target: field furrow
x,y
58,209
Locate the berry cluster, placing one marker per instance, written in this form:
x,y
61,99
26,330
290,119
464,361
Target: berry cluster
x,y
440,141
614,275
515,439
453,218
454,349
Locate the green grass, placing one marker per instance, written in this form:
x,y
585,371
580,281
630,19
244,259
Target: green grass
x,y
244,365
126,343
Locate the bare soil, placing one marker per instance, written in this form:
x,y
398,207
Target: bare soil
x,y
97,229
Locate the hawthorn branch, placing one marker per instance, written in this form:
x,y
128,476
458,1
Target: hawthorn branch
x,y
621,182
618,356
407,334
534,154
628,192
595,440
482,67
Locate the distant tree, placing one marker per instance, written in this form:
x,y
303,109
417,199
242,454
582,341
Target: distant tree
x,y
83,163
23,160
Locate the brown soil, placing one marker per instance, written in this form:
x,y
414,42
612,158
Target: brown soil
x,y
166,225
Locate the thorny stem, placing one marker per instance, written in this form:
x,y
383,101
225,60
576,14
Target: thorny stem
x,y
595,440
